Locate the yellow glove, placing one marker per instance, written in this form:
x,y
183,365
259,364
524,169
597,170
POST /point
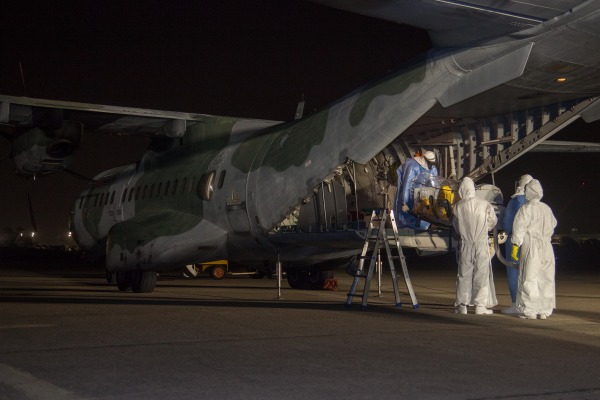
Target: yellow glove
x,y
515,252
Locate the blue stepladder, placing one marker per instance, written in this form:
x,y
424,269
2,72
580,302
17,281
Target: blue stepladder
x,y
377,240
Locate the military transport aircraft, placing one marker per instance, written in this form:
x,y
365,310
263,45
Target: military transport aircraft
x,y
502,77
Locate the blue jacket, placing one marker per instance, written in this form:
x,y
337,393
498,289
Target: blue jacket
x,y
509,216
406,173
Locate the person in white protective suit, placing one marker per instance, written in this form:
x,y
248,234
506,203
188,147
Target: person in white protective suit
x,y
512,271
473,219
532,232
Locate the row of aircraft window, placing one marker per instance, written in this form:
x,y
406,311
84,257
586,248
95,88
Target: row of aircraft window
x,y
204,190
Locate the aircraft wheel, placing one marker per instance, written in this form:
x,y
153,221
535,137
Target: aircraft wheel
x,y
297,278
123,280
143,281
217,272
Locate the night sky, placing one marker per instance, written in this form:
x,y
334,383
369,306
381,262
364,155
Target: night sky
x,y
244,59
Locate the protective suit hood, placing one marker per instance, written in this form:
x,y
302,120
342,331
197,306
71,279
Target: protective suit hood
x,y
523,181
429,156
466,188
534,191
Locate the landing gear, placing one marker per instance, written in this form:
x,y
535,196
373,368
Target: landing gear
x,y
138,281
124,280
299,278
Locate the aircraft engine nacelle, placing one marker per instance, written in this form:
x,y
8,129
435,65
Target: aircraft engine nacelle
x,y
41,151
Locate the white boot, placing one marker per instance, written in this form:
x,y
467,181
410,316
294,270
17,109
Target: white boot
x,y
481,310
528,316
460,309
510,310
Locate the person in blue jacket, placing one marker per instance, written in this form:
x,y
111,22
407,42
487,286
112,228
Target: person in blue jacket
x,y
512,272
404,200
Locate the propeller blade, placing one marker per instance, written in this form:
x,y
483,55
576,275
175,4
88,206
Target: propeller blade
x,y
30,206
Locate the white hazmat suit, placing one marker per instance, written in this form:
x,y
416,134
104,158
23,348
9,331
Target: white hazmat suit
x,y
532,230
473,219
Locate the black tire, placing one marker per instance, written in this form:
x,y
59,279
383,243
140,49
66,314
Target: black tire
x,y
123,280
297,278
143,282
218,272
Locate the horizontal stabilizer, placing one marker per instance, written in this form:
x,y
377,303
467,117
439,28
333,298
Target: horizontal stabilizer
x,y
487,76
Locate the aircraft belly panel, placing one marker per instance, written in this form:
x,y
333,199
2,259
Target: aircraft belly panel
x,y
135,246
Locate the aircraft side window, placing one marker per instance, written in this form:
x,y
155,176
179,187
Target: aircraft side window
x,y
221,179
151,191
80,202
124,196
192,181
112,197
131,191
95,200
158,189
144,192
183,185
175,187
106,198
205,186
167,187
137,192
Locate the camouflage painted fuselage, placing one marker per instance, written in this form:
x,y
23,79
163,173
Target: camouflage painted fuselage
x,y
219,190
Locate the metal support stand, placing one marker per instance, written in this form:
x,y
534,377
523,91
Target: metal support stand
x,y
279,275
379,272
377,235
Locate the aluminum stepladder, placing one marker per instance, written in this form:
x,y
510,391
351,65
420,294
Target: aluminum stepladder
x,y
377,234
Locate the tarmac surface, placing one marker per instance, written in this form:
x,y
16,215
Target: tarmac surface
x,y
65,333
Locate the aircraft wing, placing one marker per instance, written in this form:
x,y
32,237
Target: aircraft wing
x,y
25,111
453,23
45,134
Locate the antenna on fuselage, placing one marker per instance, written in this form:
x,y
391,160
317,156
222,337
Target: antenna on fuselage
x,y
300,108
22,78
